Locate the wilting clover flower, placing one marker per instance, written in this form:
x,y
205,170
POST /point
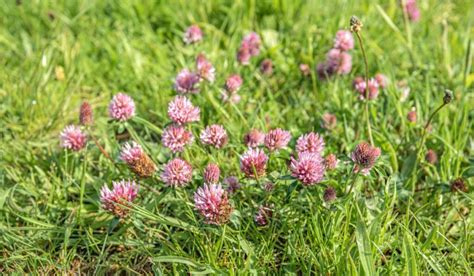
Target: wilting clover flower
x,y
254,138
230,97
331,161
264,215
177,173
137,160
73,138
364,157
85,114
277,139
182,111
268,186
213,204
404,89
329,194
360,85
121,107
211,174
459,185
252,42
233,83
253,163
311,142
214,135
329,121
232,184
266,67
205,69
344,40
186,82
117,201
176,137
193,34
308,168
382,80
411,116
338,62
411,8
249,47
243,56
304,69
431,157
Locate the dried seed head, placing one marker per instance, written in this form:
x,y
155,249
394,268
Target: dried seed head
x,y
85,114
356,24
459,185
448,96
329,194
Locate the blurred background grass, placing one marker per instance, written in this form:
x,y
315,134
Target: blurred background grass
x,y
136,46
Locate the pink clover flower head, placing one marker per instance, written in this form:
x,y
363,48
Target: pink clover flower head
x,y
214,135
310,142
193,34
308,168
211,174
131,152
382,80
252,42
331,161
186,82
177,173
121,107
277,139
364,157
212,203
205,69
182,111
338,62
344,40
360,87
117,201
253,163
176,138
411,8
233,83
73,138
254,138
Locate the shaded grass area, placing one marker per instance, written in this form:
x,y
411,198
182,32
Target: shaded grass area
x,y
107,46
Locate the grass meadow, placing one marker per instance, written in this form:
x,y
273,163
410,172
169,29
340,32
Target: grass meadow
x,y
405,217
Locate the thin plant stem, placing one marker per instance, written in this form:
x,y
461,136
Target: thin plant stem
x,y
366,109
422,142
83,185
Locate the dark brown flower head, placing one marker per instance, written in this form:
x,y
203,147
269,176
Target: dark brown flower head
x,y
264,214
448,96
143,167
431,157
356,24
85,114
459,185
329,194
266,67
137,160
364,157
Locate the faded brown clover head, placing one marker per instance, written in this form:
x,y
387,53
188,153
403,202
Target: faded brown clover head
x,y
356,24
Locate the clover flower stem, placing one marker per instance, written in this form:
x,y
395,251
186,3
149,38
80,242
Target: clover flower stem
x,y
354,180
422,142
83,186
366,109
102,150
